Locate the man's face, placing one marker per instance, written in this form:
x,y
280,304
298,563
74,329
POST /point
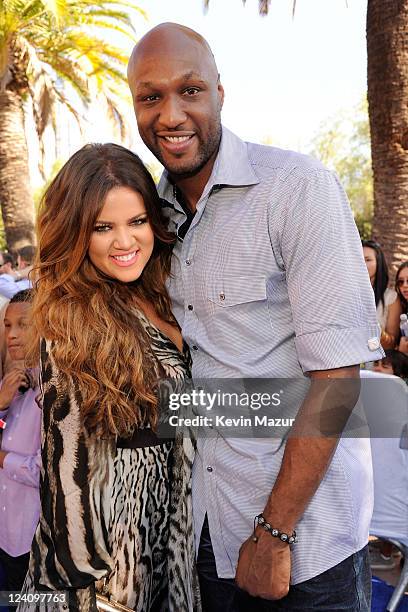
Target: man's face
x,y
178,99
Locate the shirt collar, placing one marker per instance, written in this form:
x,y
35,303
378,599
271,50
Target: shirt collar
x,y
232,167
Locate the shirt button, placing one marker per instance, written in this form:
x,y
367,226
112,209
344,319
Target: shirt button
x,y
188,262
4,508
194,347
190,307
373,344
222,296
4,487
209,468
9,438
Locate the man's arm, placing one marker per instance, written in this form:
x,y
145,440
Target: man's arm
x,y
264,566
312,443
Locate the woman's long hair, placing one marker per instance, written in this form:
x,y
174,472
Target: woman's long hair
x,y
97,337
381,275
397,288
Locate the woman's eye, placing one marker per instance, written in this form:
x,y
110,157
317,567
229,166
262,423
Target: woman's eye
x,y
139,221
101,228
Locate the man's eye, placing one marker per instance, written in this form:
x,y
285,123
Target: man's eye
x,y
191,91
101,228
151,98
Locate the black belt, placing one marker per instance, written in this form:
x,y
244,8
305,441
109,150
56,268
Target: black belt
x,y
141,438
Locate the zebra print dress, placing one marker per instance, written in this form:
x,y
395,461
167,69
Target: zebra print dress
x,y
116,520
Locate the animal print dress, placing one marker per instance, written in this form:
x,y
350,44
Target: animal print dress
x,y
116,520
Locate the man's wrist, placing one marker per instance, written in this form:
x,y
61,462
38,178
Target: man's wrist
x,y
283,521
274,530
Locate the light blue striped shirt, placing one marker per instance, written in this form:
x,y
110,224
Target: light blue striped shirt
x,y
270,282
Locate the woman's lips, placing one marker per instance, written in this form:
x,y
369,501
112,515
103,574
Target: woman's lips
x,y
124,261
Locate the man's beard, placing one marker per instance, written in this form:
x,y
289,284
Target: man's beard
x,y
205,151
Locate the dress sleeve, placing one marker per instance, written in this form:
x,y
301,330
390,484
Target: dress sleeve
x,y
70,549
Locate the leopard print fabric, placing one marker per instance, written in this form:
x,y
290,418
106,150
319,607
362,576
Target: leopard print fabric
x,y
119,520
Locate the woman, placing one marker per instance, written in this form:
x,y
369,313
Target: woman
x,y
388,307
401,285
115,496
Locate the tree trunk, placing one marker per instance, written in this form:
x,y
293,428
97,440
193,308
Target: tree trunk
x,y
387,50
17,206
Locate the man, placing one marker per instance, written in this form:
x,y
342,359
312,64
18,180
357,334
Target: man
x,y
17,280
268,281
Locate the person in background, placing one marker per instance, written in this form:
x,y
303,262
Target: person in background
x,y
395,363
6,263
6,267
388,307
17,280
20,459
25,258
401,285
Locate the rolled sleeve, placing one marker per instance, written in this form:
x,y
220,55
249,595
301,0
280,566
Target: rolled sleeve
x,y
333,348
24,469
331,297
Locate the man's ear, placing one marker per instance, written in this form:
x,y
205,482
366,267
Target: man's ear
x,y
221,93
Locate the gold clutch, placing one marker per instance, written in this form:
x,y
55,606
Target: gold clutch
x,y
110,605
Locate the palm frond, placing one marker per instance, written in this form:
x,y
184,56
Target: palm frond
x,y
57,8
102,24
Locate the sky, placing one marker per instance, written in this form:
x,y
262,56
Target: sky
x,y
282,76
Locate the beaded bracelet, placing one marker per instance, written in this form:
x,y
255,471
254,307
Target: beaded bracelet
x,y
284,537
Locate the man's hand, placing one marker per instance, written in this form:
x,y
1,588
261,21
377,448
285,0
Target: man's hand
x,y
11,382
264,567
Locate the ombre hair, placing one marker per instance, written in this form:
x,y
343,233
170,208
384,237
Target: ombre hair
x,y
91,320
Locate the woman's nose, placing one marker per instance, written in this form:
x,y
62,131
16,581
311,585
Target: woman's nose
x,y
124,239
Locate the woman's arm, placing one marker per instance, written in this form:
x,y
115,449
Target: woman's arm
x,y
390,334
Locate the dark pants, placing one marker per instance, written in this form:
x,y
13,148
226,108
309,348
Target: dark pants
x,y
15,569
347,586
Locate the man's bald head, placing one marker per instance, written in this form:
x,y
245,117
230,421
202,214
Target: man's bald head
x,y
177,96
170,37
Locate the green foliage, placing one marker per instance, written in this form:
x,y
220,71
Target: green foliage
x,y
3,242
50,48
343,145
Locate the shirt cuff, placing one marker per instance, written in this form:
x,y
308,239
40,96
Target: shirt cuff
x,y
24,469
338,348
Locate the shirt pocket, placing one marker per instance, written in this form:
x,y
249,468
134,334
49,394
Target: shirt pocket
x,y
239,318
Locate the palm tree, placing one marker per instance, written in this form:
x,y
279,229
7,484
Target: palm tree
x,y
387,77
387,52
49,49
